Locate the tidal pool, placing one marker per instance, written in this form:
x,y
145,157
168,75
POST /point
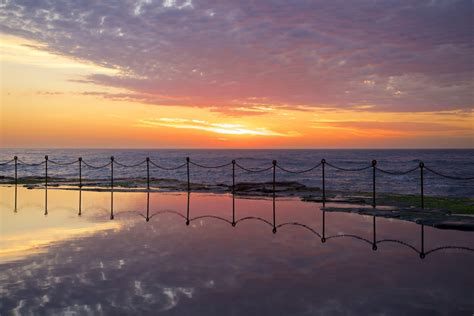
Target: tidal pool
x,y
208,254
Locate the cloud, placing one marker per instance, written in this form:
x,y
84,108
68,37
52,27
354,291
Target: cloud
x,y
219,128
396,55
393,128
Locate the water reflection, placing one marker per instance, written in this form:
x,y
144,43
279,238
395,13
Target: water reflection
x,y
274,225
147,260
27,230
80,202
46,200
16,197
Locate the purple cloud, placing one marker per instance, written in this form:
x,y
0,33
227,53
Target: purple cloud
x,y
395,55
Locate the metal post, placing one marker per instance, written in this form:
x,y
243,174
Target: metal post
x,y
80,172
112,187
16,182
422,165
233,193
323,162
112,172
374,163
16,170
187,166
148,173
233,176
46,171
46,185
274,211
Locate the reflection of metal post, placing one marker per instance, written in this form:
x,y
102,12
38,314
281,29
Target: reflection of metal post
x,y
323,238
148,173
233,193
422,253
187,166
148,206
233,210
16,198
111,204
80,172
46,185
422,165
274,211
16,180
187,209
374,242
80,201
323,162
374,163
112,187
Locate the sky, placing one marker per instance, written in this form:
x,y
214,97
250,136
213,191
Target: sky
x,y
237,74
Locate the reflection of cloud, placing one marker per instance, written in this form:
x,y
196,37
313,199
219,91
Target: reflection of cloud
x,y
21,244
220,128
314,53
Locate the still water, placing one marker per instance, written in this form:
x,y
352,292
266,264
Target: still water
x,y
64,262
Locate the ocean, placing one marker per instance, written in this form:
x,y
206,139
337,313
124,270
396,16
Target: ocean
x,y
152,252
450,162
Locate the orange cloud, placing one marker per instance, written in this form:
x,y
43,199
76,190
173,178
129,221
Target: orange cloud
x,y
219,128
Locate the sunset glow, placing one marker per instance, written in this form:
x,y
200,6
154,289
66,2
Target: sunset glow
x,y
118,86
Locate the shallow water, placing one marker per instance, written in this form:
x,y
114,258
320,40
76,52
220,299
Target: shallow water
x,y
458,163
89,264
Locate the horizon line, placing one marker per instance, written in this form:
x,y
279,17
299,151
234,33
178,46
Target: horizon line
x,y
214,148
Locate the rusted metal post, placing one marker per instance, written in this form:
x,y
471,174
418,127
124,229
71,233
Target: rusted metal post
x,y
80,172
323,162
233,193
374,163
46,185
46,171
16,182
148,173
112,172
112,187
187,167
422,165
233,176
16,170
